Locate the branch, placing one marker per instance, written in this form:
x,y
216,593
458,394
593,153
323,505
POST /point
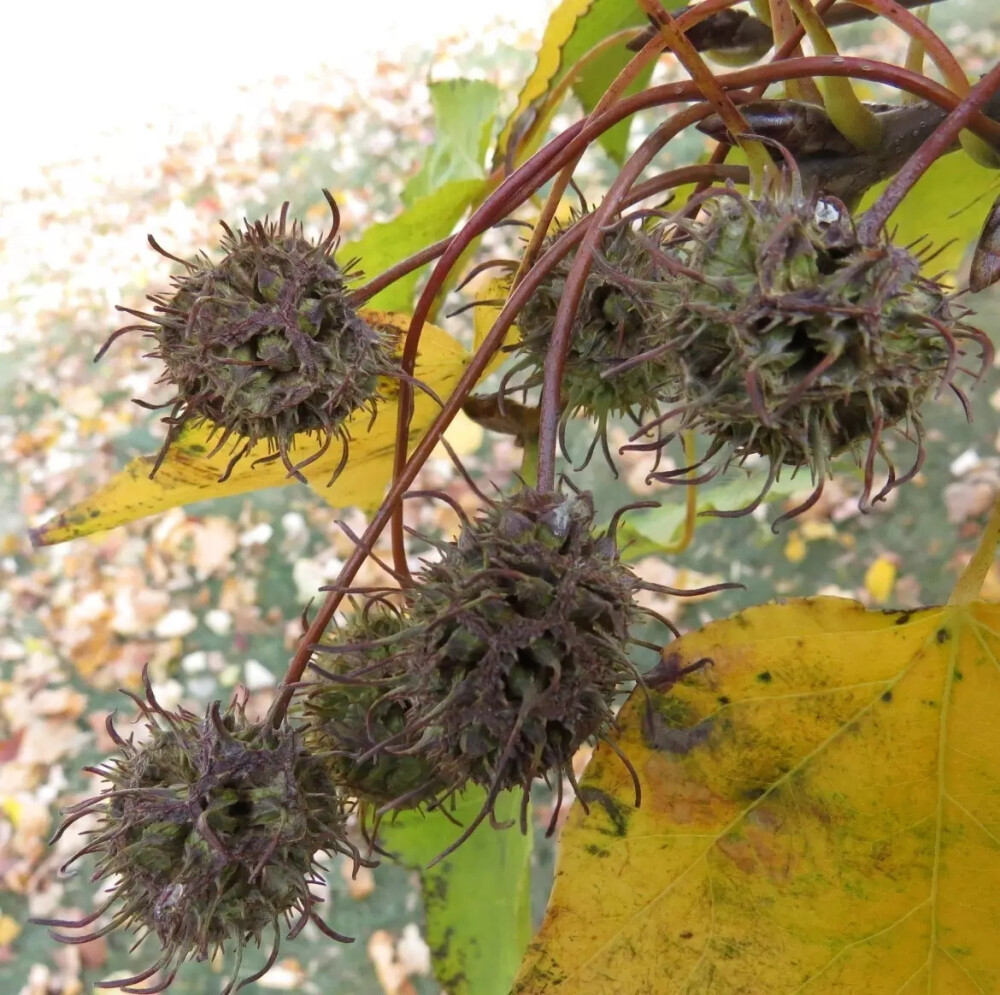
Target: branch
x,y
741,37
827,161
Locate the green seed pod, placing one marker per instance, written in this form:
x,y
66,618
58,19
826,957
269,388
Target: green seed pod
x,y
792,340
602,378
356,717
210,828
266,345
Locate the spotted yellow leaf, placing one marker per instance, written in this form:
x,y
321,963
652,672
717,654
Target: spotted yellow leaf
x,y
189,473
820,813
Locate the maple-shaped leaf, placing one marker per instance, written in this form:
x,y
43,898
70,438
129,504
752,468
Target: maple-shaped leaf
x,y
191,472
820,812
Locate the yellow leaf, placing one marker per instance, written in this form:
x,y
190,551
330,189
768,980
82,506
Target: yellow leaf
x,y
189,474
795,548
463,435
11,807
558,31
9,930
820,813
880,579
583,48
489,303
946,207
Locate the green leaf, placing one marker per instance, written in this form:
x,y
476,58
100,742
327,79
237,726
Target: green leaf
x,y
649,532
477,900
574,27
948,205
464,114
427,220
604,18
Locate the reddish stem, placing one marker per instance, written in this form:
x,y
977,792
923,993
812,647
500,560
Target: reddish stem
x,y
944,136
387,278
936,49
650,51
519,185
562,328
655,96
759,78
710,88
560,248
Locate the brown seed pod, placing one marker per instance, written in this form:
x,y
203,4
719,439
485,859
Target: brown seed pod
x,y
505,658
602,378
266,345
985,268
522,641
210,829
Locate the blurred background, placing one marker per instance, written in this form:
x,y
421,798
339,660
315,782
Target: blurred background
x,y
123,119
73,73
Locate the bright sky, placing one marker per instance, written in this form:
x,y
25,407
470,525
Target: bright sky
x,y
72,70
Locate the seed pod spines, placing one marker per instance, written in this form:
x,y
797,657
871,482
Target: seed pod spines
x,y
266,345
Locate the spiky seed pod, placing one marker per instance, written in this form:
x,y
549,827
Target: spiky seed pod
x,y
355,716
525,643
265,344
611,328
210,828
793,340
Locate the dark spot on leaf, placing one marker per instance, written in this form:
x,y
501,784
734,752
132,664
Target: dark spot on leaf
x,y
881,850
723,700
435,887
903,618
752,794
661,736
597,851
95,513
887,696
440,950
943,635
686,935
764,677
672,712
614,810
958,675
